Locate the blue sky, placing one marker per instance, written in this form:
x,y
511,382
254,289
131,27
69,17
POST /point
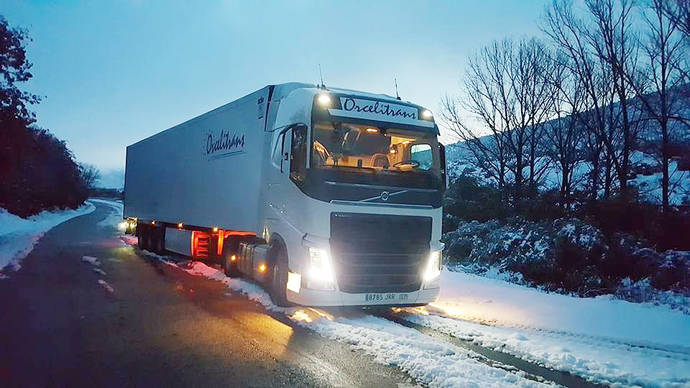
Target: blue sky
x,y
114,72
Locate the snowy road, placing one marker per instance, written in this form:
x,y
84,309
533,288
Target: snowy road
x,y
87,310
89,307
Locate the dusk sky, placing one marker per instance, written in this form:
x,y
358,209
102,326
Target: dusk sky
x,y
115,72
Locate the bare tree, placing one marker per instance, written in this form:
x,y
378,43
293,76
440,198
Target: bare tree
x,y
601,51
663,52
678,13
89,175
526,108
508,95
613,42
487,96
564,133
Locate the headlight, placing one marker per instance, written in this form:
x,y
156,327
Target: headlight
x,y
324,99
320,273
432,272
123,225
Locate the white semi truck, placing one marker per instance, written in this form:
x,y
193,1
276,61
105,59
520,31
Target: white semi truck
x,y
329,197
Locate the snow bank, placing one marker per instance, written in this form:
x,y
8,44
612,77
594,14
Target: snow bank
x,y
605,340
496,302
606,362
18,236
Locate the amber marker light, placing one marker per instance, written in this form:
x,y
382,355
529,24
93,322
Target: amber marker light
x,y
215,229
262,268
233,258
372,130
153,222
179,225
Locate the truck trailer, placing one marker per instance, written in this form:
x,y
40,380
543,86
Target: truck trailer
x,y
326,196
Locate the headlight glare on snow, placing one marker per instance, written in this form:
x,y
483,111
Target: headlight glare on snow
x,y
432,272
320,270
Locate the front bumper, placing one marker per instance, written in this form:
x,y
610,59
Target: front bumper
x,y
317,298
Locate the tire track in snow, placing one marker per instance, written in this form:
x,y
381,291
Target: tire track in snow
x,y
497,358
594,359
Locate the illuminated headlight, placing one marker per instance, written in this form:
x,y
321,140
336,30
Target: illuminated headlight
x,y
324,99
427,115
123,225
320,275
432,272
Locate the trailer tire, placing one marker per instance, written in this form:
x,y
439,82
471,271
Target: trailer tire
x,y
230,246
279,273
158,242
142,235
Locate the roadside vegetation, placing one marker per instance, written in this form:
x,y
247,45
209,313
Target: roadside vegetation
x,y
37,170
571,171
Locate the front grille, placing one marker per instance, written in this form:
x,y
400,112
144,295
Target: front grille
x,y
379,253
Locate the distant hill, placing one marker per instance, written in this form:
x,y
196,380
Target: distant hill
x,y
112,179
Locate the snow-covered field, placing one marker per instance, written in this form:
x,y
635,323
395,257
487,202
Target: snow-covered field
x,y
19,235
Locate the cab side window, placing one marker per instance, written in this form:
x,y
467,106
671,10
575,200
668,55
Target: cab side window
x,y
298,154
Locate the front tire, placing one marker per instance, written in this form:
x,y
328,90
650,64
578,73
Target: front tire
x,y
279,275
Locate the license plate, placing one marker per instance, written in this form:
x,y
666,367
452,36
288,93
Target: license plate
x,y
385,297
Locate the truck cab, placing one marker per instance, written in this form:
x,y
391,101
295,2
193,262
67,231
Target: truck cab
x,y
353,195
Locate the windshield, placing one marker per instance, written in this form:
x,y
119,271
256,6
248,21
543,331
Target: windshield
x,y
384,152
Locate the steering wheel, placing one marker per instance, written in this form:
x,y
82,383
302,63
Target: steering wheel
x,y
407,163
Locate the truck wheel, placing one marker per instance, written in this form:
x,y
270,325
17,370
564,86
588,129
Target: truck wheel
x,y
142,238
158,243
279,278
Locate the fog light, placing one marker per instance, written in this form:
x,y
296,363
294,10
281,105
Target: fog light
x,y
294,282
320,270
432,272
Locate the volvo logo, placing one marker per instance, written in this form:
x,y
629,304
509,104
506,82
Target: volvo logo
x,y
384,196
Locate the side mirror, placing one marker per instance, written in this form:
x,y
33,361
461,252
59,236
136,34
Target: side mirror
x,y
444,175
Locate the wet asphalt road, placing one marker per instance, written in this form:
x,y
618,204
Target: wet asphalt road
x,y
159,327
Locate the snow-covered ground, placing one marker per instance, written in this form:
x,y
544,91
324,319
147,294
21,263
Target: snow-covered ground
x,y
605,340
19,235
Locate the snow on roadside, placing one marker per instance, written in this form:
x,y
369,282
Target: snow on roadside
x,y
428,360
606,340
495,302
606,362
106,286
91,260
18,236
